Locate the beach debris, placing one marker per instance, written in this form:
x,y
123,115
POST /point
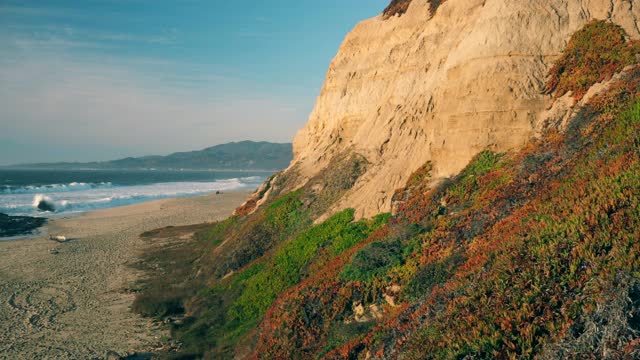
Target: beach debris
x,y
58,238
54,251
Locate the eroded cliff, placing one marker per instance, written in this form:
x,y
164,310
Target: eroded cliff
x,y
442,84
527,116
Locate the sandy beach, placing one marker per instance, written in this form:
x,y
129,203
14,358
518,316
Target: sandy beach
x,y
71,300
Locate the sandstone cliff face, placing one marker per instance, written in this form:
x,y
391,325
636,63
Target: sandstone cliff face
x,y
442,87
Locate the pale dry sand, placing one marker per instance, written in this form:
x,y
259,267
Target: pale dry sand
x,y
75,304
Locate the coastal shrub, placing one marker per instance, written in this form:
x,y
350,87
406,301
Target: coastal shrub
x,y
594,54
482,164
537,281
291,261
208,329
217,233
421,176
286,215
172,264
436,273
396,7
319,297
341,333
159,303
418,182
222,315
324,189
373,260
282,218
356,232
522,255
245,262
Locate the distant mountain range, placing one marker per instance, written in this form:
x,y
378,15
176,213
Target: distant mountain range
x,y
243,155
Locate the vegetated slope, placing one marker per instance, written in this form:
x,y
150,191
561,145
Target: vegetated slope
x,y
530,254
527,254
243,155
226,277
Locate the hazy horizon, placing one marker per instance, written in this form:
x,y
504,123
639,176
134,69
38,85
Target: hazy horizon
x,y
111,79
139,156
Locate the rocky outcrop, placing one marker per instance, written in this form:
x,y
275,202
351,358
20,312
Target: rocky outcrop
x,y
19,225
442,86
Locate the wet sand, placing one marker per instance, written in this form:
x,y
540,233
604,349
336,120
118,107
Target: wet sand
x,y
72,300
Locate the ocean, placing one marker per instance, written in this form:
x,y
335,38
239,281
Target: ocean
x,y
56,193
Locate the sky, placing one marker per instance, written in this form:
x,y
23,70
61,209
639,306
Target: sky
x,y
97,80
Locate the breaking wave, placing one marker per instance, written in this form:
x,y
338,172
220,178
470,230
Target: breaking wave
x,y
52,200
53,188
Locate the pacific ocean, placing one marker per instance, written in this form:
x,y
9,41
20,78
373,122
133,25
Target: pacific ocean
x,y
68,192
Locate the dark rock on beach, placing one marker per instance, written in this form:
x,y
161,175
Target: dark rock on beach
x,y
19,225
45,205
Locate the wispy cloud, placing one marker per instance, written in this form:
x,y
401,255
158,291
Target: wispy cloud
x,y
69,87
165,39
40,11
59,37
59,101
44,12
256,34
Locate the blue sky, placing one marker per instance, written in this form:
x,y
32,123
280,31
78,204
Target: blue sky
x,y
96,80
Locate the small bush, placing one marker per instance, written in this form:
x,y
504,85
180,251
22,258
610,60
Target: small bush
x,y
594,54
342,333
426,278
396,7
159,303
374,260
216,234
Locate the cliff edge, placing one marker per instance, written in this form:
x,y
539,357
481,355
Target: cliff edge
x,y
442,83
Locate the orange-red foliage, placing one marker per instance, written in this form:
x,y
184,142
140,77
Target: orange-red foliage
x,y
247,208
545,237
593,54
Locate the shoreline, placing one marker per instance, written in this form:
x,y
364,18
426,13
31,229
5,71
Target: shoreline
x,y
72,299
57,217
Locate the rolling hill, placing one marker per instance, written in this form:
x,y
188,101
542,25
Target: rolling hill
x,y
243,155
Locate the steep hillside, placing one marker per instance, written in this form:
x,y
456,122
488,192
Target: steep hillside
x,y
518,242
442,86
533,254
243,155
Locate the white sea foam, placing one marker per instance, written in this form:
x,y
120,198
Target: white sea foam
x,y
85,197
53,188
43,203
